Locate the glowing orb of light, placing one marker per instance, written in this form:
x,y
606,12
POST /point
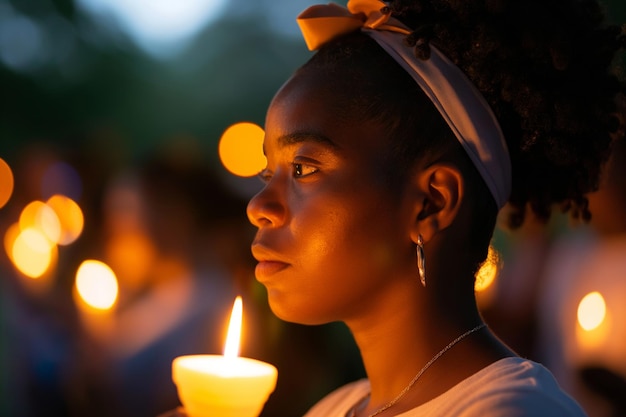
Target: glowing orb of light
x,y
241,149
591,311
31,252
70,217
10,235
6,182
488,271
96,284
39,215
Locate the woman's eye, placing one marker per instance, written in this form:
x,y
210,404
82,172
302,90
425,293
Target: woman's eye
x,y
303,170
265,175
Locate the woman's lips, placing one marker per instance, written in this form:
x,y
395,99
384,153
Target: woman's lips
x,y
269,261
268,268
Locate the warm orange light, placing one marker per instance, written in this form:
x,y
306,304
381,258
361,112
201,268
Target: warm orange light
x,y
224,385
6,182
31,252
488,271
231,349
591,311
10,235
131,255
241,149
69,216
96,284
39,216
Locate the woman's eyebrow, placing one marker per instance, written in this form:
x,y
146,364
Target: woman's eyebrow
x,y
299,137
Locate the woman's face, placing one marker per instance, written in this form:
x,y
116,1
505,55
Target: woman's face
x,y
332,238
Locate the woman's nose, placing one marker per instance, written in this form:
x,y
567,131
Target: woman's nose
x,y
267,208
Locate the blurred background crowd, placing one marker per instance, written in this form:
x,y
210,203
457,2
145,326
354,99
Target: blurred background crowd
x,y
125,239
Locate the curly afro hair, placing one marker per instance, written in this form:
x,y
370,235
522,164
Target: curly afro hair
x,y
545,67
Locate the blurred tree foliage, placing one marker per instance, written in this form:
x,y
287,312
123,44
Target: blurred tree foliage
x,y
73,81
67,77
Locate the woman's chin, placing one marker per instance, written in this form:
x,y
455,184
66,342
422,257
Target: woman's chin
x,y
285,309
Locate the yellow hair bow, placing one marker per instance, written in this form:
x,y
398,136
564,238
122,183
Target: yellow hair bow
x,y
324,22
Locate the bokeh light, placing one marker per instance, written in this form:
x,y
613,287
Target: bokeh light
x,y
31,243
6,182
69,216
10,235
31,252
591,311
96,284
488,271
241,149
131,254
37,215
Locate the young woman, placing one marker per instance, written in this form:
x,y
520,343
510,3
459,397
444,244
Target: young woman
x,y
390,154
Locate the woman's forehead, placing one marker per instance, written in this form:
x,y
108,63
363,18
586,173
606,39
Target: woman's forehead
x,y
305,108
307,102
315,83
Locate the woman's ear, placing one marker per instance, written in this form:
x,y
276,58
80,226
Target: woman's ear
x,y
441,189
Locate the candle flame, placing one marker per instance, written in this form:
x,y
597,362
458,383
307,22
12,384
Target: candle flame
x,y
231,350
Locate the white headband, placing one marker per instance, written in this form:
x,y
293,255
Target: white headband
x,y
459,102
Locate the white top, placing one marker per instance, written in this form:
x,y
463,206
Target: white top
x,y
510,387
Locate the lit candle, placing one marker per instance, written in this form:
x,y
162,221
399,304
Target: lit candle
x,y
224,386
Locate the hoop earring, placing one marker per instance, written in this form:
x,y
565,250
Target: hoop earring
x,y
421,261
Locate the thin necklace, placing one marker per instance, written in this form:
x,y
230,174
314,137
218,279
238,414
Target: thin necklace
x,y
416,377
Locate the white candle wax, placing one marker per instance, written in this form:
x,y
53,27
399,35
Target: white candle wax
x,y
217,386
